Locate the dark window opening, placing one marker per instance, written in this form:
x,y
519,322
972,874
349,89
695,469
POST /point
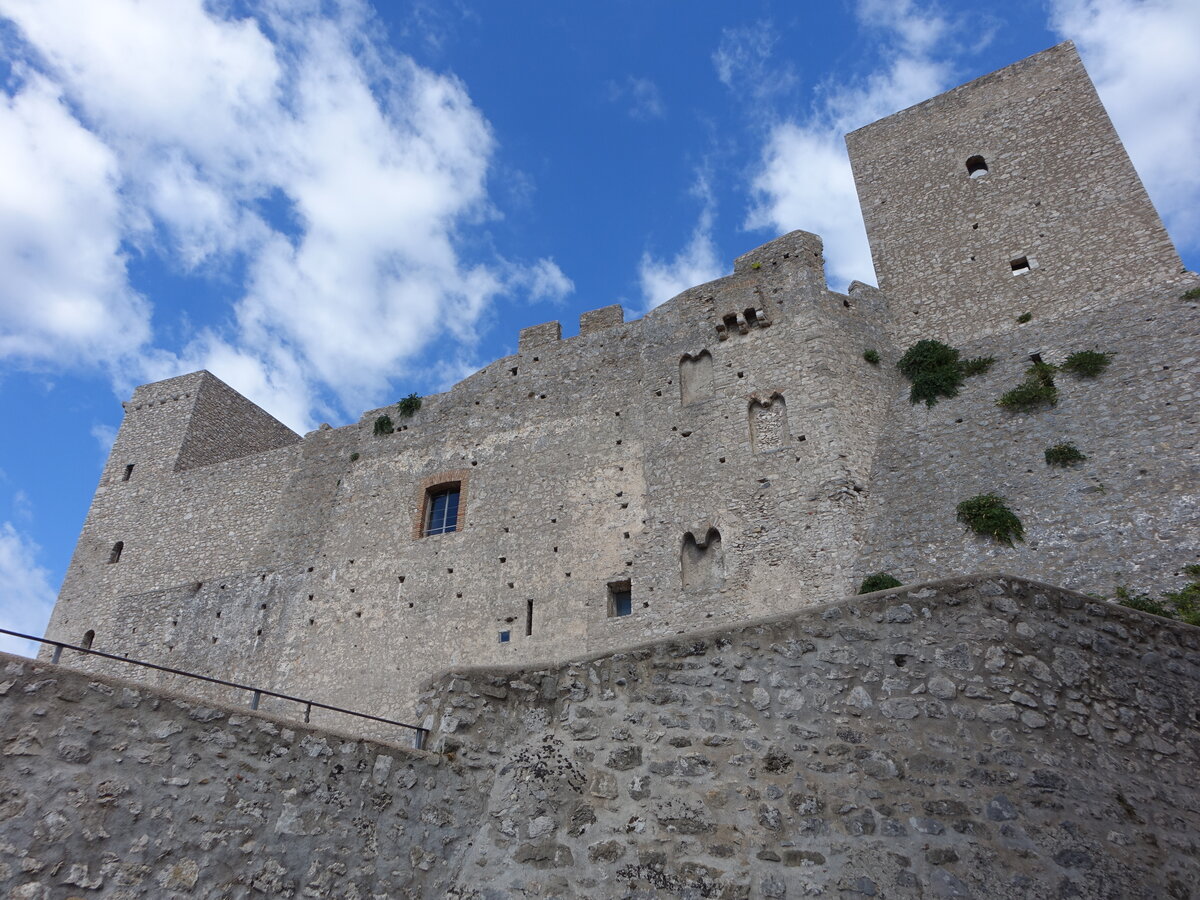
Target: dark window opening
x,y
88,637
620,598
128,472
1020,265
977,167
505,637
751,316
115,556
441,509
528,618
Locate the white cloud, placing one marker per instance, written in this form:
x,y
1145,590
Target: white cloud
x,y
339,174
695,264
544,280
744,62
643,96
104,435
63,295
1143,59
26,596
804,180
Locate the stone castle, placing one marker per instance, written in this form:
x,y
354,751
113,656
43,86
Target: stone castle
x,y
701,484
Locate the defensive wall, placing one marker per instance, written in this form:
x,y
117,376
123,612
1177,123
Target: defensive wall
x,y
987,737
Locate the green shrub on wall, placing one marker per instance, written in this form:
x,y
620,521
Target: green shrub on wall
x,y
409,406
871,356
987,514
1087,363
979,365
1183,605
384,426
1064,455
1037,390
934,370
1193,294
880,581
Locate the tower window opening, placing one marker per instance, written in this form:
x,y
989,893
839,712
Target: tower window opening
x,y
620,598
115,555
505,637
528,618
441,509
977,167
128,472
1020,265
88,637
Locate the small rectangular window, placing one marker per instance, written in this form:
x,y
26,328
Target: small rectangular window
x,y
505,637
128,472
441,509
1020,265
620,599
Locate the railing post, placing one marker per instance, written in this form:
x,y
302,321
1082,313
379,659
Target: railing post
x,y
57,654
254,699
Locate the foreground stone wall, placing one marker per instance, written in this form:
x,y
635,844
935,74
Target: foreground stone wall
x,y
988,738
108,790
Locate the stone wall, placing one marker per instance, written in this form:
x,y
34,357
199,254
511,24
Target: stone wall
x,y
1126,516
988,737
109,790
1060,192
582,465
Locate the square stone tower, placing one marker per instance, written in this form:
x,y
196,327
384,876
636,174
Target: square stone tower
x,y
1007,195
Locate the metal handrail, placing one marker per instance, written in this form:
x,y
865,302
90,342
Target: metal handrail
x,y
255,693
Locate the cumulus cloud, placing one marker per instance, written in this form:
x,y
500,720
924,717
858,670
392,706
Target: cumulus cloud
x,y
338,176
64,295
642,96
803,179
26,596
696,263
1142,57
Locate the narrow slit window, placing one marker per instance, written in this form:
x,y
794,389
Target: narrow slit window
x,y
117,550
88,637
1020,265
620,599
441,509
977,167
128,472
528,618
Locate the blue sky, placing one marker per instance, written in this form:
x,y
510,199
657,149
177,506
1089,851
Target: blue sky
x,y
332,204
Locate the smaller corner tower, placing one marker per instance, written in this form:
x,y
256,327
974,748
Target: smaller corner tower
x,y
1007,195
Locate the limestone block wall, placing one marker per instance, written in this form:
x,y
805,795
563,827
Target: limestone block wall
x,y
108,790
983,737
1129,515
1059,193
583,463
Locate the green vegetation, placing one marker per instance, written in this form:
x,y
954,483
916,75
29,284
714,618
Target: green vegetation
x,y
756,265
1064,455
986,514
880,581
1036,390
354,457
384,426
1183,605
979,365
1193,294
871,356
409,406
934,370
1024,317
1087,363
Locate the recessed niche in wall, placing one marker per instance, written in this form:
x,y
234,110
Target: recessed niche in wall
x,y
695,377
769,424
701,561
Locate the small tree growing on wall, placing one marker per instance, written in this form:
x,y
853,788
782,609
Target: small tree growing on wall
x,y
408,406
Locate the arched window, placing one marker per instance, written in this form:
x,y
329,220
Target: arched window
x,y
977,167
115,556
88,637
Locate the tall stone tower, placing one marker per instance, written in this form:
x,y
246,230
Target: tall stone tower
x,y
1007,195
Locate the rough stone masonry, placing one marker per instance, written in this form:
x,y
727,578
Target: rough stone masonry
x,y
985,737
